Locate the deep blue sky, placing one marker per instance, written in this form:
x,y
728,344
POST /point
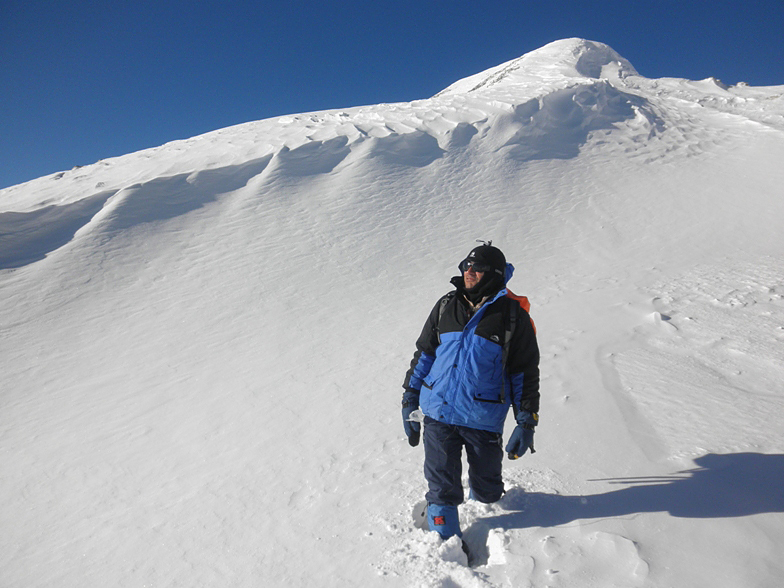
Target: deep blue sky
x,y
84,80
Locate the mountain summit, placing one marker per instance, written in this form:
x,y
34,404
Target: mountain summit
x,y
567,58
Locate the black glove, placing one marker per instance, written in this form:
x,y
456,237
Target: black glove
x,y
410,404
522,437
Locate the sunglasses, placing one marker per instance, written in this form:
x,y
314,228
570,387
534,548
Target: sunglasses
x,y
479,268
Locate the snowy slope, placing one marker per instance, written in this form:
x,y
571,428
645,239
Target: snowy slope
x,y
203,343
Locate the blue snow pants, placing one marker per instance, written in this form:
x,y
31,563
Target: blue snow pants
x,y
443,463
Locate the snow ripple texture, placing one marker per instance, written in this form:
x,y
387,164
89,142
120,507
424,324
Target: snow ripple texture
x,y
203,343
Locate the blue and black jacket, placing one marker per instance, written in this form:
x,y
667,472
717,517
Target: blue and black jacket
x,y
458,368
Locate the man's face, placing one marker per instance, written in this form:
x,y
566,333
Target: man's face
x,y
471,277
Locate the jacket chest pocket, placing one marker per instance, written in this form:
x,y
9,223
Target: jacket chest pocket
x,y
484,370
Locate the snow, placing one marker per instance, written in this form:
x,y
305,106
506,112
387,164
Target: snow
x,y
203,343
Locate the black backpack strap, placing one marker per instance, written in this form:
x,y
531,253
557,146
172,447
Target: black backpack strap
x,y
441,307
510,320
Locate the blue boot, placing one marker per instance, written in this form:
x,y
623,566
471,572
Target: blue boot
x,y
444,520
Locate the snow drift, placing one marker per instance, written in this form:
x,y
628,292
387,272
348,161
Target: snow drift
x,y
203,343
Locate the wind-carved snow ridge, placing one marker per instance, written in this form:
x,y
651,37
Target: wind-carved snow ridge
x,y
543,105
26,237
556,125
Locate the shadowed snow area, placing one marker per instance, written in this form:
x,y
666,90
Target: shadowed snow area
x,y
203,343
26,237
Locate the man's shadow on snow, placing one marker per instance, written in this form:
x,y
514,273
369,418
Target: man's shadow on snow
x,y
721,486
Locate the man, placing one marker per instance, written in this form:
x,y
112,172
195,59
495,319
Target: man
x,y
477,356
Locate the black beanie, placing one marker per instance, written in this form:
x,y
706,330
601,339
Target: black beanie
x,y
488,255
492,281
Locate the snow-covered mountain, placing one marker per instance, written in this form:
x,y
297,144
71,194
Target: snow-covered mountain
x,y
203,343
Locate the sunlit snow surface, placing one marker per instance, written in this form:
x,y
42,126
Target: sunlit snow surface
x,y
203,343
